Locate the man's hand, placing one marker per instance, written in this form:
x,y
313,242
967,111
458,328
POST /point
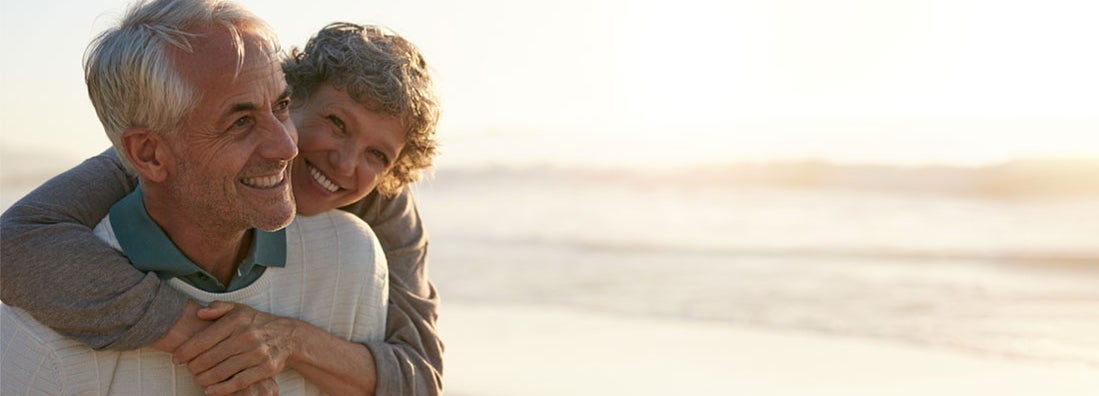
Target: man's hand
x,y
242,348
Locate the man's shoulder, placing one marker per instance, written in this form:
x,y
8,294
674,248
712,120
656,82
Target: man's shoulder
x,y
333,226
335,241
336,221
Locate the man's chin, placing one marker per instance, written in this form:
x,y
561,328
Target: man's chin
x,y
275,218
272,226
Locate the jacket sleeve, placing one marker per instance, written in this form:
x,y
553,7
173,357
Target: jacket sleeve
x,y
409,361
57,270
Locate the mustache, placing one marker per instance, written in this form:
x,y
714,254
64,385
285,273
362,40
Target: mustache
x,y
266,168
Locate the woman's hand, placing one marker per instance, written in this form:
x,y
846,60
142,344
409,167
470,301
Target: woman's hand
x,y
267,387
241,351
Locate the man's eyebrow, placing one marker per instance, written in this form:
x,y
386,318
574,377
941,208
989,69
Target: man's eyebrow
x,y
249,106
238,107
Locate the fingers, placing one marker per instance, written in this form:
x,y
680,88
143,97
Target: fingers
x,y
266,387
264,361
221,362
217,333
216,310
201,342
253,379
241,349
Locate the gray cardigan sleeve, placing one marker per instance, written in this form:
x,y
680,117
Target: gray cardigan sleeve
x,y
57,270
410,359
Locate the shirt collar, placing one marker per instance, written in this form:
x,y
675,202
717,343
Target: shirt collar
x,y
149,248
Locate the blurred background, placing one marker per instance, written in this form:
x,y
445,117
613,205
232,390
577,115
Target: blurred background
x,y
633,196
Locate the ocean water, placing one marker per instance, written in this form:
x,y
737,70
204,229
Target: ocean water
x,y
1004,277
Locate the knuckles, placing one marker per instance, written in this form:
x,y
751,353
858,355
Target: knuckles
x,y
252,336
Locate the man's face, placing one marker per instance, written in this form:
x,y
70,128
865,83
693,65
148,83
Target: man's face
x,y
233,152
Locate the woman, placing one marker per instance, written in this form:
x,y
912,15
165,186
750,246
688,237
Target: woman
x,y
365,111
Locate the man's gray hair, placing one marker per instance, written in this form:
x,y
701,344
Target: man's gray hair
x,y
131,78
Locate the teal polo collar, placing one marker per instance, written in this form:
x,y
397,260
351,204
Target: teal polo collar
x,y
149,249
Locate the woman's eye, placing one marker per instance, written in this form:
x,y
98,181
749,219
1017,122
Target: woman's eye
x,y
338,123
281,107
381,156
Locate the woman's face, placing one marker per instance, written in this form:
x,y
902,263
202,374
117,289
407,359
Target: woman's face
x,y
344,150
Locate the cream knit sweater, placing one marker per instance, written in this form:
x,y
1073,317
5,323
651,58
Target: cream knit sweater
x,y
335,278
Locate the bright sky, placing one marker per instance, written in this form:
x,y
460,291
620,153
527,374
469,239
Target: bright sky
x,y
908,81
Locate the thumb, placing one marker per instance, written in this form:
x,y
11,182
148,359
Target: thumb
x,y
215,310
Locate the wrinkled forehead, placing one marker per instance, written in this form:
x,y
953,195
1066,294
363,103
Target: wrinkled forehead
x,y
217,55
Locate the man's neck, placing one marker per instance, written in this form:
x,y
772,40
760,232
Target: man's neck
x,y
212,246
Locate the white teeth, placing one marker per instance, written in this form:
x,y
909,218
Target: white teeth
x,y
320,178
263,182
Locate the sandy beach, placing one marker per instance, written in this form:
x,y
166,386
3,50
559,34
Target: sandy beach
x,y
537,350
579,286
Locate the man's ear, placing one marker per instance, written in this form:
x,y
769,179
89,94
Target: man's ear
x,y
148,152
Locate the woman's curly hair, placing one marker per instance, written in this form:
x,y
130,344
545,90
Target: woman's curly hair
x,y
382,71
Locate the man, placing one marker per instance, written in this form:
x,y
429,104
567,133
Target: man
x,y
192,96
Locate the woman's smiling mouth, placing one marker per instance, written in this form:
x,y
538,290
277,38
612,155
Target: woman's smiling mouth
x,y
321,179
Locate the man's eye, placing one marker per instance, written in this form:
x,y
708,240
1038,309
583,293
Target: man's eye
x,y
241,122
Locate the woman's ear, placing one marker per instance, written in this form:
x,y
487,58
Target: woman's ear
x,y
148,152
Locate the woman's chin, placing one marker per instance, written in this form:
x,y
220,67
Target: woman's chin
x,y
308,202
308,206
305,212
311,203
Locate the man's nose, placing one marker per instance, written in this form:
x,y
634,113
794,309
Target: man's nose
x,y
279,140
